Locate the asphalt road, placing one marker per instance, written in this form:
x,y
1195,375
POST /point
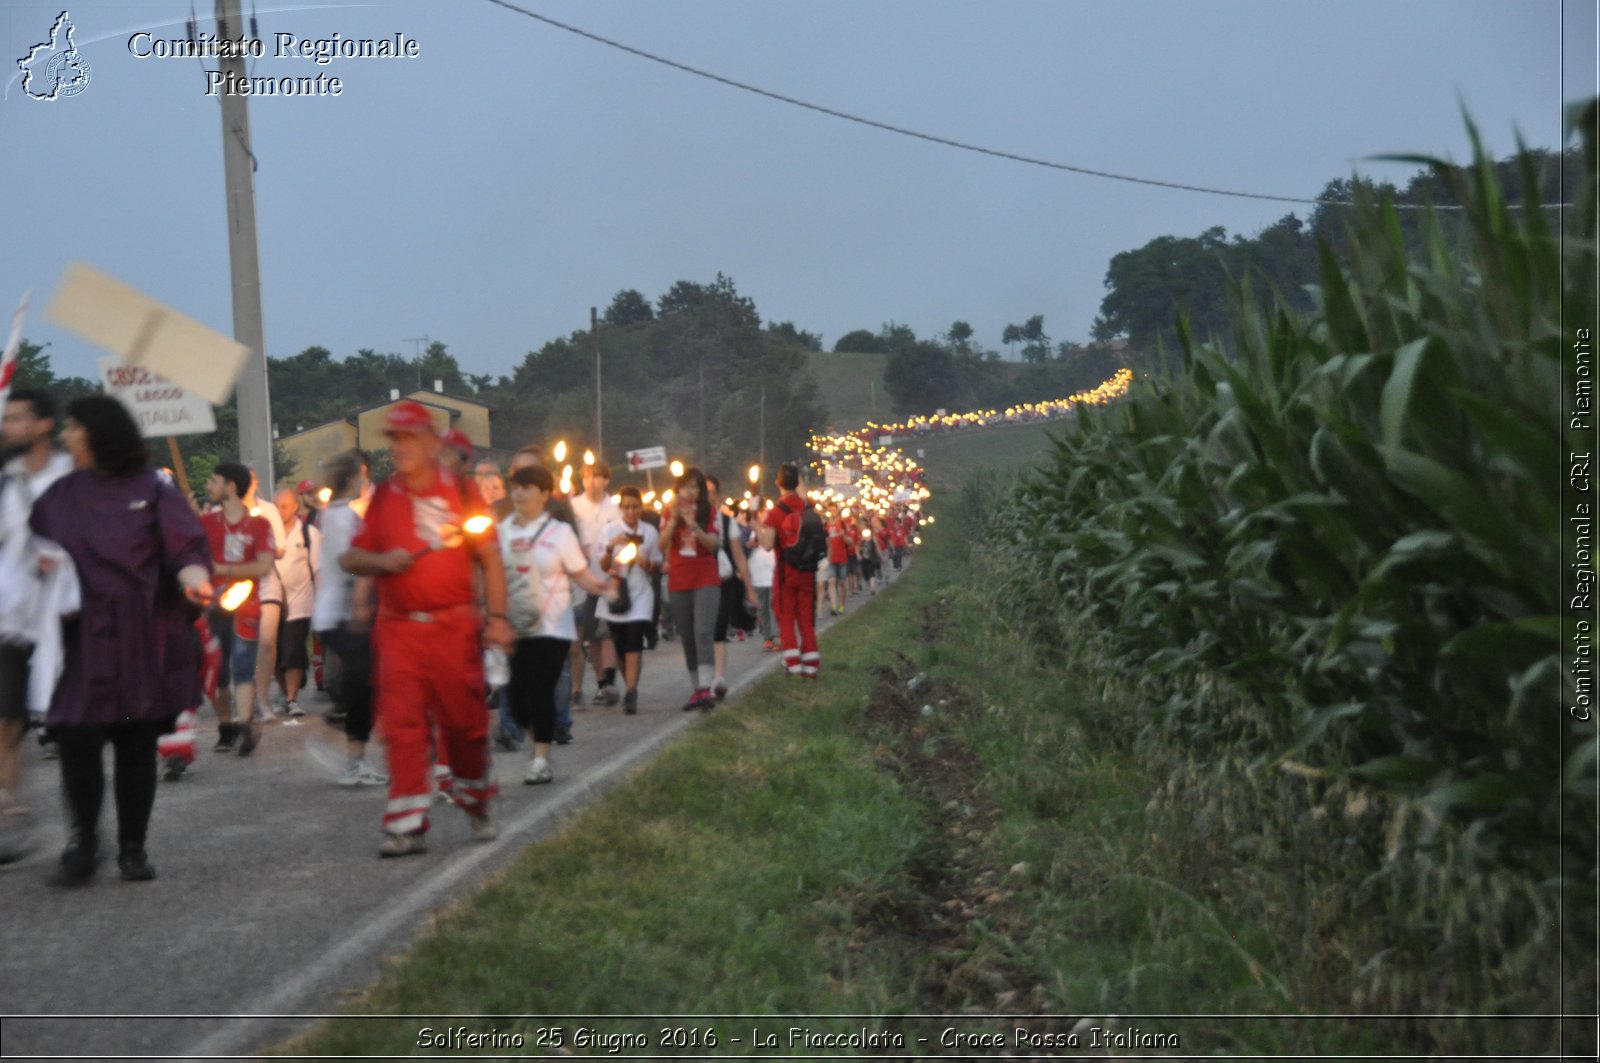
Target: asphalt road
x,y
271,903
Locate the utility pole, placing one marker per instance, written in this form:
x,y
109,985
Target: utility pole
x,y
701,459
763,436
239,163
594,349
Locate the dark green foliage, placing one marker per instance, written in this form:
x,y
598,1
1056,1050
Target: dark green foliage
x,y
1351,519
690,378
628,307
859,341
1147,288
34,371
786,330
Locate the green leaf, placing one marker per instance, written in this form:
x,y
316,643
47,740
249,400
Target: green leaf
x,y
1397,391
1483,792
1397,769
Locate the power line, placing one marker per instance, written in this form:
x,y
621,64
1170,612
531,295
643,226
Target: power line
x,y
929,137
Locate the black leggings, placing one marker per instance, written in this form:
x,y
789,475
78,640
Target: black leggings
x,y
727,605
354,649
83,780
531,695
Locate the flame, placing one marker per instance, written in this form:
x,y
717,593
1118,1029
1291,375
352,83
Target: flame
x,y
560,452
325,495
676,468
755,474
626,555
648,497
588,457
666,497
236,595
478,525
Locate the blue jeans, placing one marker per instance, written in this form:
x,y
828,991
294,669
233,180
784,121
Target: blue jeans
x,y
508,726
564,696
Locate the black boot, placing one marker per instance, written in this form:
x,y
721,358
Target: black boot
x,y
225,734
133,863
78,861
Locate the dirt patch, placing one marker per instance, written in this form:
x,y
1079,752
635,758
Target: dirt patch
x,y
955,911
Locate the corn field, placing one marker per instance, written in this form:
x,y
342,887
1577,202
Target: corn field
x,y
1352,520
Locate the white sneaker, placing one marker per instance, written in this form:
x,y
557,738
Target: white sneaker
x,y
362,773
539,771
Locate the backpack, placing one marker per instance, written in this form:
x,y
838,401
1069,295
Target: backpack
x,y
811,545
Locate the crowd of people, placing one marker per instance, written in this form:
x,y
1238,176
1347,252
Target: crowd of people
x,y
450,610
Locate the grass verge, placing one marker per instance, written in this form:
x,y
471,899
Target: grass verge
x,y
946,824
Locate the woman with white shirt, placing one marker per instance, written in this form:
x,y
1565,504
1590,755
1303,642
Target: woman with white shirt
x,y
542,561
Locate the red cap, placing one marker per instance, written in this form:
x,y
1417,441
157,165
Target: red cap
x,y
458,439
407,416
304,487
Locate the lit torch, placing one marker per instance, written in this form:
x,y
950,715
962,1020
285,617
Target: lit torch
x,y
236,595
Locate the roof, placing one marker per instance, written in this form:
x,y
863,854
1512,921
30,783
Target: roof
x,y
424,394
353,418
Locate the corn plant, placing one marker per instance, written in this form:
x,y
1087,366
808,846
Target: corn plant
x,y
1352,517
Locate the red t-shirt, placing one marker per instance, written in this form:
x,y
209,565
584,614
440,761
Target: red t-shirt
x,y
897,533
690,565
399,517
235,544
838,549
852,539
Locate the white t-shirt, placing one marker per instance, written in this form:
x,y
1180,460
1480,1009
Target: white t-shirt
x,y
338,525
300,569
21,615
762,562
592,519
270,587
642,604
538,557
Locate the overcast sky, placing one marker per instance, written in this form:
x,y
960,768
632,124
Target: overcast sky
x,y
488,192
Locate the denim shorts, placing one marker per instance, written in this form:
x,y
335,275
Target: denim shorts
x,y
838,571
238,655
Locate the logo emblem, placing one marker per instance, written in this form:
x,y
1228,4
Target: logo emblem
x,y
55,68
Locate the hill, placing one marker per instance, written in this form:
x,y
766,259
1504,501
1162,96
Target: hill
x,y
851,386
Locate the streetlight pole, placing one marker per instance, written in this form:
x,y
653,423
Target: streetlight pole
x,y
254,403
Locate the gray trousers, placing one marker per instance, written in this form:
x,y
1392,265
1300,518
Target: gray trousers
x,y
764,612
695,613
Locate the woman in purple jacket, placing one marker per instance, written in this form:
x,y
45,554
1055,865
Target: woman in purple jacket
x,y
130,661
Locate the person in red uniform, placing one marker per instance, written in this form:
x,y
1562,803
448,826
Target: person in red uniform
x,y
795,592
428,632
